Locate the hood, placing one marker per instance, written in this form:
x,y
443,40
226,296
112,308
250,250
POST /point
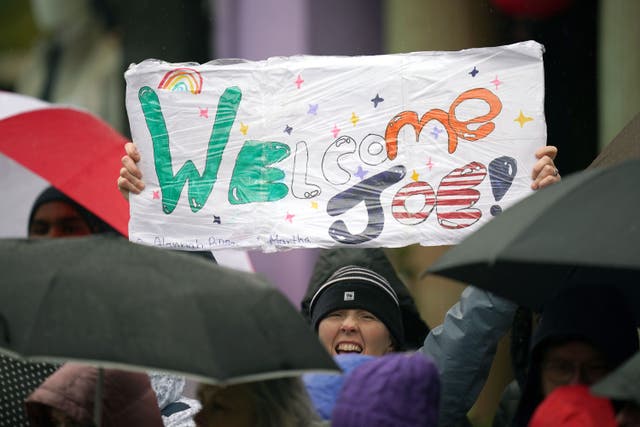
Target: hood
x,y
128,400
330,260
597,315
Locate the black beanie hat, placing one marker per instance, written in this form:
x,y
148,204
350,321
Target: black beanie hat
x,y
52,194
353,287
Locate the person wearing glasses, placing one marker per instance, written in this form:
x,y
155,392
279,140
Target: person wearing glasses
x,y
584,333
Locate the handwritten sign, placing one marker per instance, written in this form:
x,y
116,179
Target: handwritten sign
x,y
312,151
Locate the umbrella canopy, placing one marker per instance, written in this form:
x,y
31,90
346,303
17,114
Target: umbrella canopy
x,y
623,383
582,231
110,302
625,146
75,151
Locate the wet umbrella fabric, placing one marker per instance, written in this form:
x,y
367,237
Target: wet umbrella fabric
x,y
584,230
623,383
73,150
18,379
625,146
105,300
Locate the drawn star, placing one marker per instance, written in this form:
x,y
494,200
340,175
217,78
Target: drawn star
x,y
415,176
244,128
314,205
522,119
313,109
289,217
335,131
376,100
156,194
496,82
436,131
288,129
216,220
354,119
299,81
361,173
474,71
204,112
429,164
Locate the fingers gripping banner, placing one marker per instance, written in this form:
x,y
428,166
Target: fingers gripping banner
x,y
313,151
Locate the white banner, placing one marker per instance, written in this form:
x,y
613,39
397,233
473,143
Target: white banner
x,y
314,151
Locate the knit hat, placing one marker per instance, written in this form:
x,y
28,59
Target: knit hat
x,y
51,194
375,259
573,406
323,389
353,287
398,389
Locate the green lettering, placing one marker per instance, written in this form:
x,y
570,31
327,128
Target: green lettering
x,y
252,179
200,186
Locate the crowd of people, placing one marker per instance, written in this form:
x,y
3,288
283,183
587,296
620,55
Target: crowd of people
x,y
582,335
396,371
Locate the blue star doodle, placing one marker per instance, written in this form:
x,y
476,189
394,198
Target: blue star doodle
x,y
361,173
313,109
436,132
217,220
288,129
376,100
474,72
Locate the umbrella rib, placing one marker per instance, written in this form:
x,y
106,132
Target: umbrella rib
x,y
38,311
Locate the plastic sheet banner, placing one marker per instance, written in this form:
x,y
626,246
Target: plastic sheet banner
x,y
317,151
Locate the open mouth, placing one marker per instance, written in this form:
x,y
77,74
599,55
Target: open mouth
x,y
347,347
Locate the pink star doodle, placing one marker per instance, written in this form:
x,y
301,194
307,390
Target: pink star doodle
x,y
496,82
299,81
289,217
335,131
429,164
156,194
204,112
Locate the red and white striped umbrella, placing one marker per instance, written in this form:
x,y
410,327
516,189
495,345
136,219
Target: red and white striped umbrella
x,y
45,144
66,147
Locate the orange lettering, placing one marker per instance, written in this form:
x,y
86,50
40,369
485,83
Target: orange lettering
x,y
454,127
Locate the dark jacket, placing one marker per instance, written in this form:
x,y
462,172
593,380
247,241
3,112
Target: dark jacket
x,y
595,315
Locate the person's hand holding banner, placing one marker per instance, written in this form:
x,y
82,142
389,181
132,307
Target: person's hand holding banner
x,y
310,151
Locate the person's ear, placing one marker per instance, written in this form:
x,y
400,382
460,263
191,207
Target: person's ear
x,y
391,347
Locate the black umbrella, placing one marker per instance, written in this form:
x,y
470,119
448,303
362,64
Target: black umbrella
x,y
623,383
584,230
330,260
114,303
625,146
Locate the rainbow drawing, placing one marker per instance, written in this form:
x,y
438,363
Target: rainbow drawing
x,y
182,80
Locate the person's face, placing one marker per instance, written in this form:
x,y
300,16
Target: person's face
x,y
354,331
57,219
574,362
629,416
230,406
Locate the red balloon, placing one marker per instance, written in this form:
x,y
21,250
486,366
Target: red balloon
x,y
532,8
